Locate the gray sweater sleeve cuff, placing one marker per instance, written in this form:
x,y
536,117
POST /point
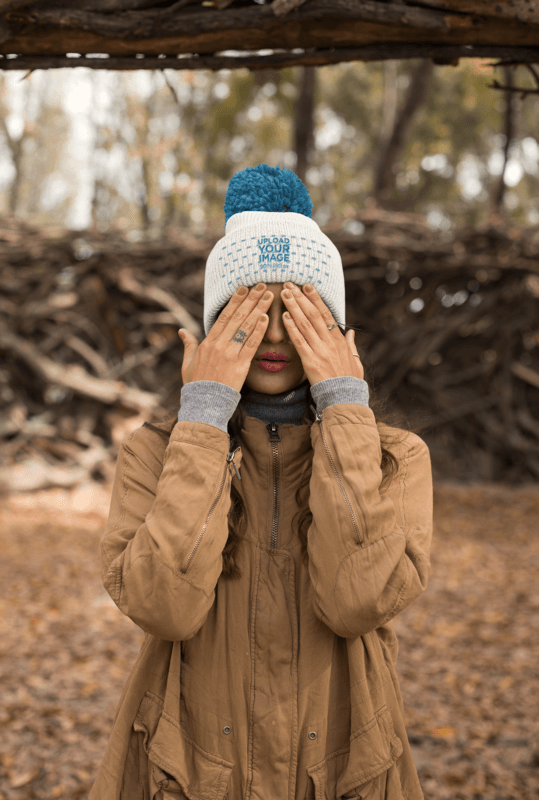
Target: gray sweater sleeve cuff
x,y
208,401
344,389
214,403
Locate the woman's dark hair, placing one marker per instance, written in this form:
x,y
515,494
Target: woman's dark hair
x,y
387,426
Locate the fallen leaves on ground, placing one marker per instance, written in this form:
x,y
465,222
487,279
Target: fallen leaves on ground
x,y
468,660
469,648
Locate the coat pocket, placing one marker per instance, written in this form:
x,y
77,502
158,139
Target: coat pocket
x,y
174,766
164,786
353,773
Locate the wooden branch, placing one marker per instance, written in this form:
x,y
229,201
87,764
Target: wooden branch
x,y
147,356
94,359
510,439
463,410
525,373
11,5
518,10
76,378
128,283
202,20
532,463
523,92
534,73
526,421
36,473
178,4
15,420
282,7
110,6
173,92
202,29
318,58
522,10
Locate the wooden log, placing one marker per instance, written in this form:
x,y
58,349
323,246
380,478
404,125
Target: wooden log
x,y
76,378
316,57
522,10
201,20
323,27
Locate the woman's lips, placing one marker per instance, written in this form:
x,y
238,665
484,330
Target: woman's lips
x,y
273,366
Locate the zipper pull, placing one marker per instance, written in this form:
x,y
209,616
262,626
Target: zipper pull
x,y
273,430
317,416
230,458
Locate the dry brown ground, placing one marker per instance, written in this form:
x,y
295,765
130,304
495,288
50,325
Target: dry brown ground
x,y
468,661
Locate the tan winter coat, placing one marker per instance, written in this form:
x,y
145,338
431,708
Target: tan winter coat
x,y
280,685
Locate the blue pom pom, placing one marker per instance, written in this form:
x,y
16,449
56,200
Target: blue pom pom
x,y
266,188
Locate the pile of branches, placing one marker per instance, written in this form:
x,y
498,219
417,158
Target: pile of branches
x,y
448,332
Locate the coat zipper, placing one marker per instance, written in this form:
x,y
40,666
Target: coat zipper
x,y
275,436
318,417
229,459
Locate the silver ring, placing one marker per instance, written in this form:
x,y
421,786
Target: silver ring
x,y
335,325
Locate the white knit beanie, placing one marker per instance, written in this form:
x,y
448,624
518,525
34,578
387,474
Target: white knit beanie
x,y
271,246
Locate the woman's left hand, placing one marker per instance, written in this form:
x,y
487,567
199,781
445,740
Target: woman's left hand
x,y
324,353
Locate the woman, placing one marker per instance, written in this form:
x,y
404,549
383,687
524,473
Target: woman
x,y
266,575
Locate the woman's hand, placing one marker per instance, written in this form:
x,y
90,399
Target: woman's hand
x,y
226,353
324,353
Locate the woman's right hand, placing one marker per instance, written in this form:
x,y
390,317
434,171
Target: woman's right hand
x,y
225,355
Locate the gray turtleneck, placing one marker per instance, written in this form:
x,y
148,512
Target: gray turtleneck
x,y
214,403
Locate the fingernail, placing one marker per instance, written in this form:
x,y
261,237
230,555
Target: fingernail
x,y
308,287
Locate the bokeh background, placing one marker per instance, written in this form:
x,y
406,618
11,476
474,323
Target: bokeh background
x,y
149,151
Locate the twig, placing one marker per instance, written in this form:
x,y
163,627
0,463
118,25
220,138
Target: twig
x,y
533,72
523,92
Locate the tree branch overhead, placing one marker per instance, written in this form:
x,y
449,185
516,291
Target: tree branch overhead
x,y
140,34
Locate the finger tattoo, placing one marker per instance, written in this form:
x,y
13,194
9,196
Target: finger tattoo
x,y
239,336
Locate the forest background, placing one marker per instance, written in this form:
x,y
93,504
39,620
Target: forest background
x,y
148,151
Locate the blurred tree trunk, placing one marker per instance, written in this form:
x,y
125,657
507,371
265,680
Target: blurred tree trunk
x,y
143,194
15,147
146,154
509,132
392,145
168,212
304,121
389,108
